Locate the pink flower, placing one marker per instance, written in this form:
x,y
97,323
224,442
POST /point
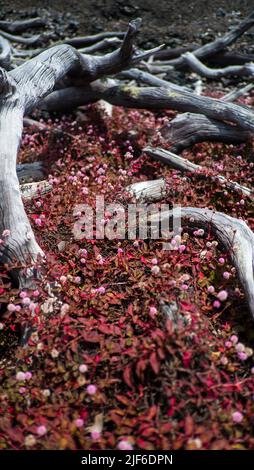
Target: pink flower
x,y
237,417
22,390
83,368
184,287
240,347
63,279
224,360
182,248
234,339
120,251
95,435
124,445
79,422
36,293
242,356
226,275
26,301
20,376
38,222
221,260
6,233
41,430
11,308
211,289
155,270
101,290
216,304
153,311
77,280
228,344
91,389
23,294
28,375
222,295
154,261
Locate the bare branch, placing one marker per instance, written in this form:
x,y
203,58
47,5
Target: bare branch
x,y
182,164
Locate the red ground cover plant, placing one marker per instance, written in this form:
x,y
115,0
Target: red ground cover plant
x,y
103,367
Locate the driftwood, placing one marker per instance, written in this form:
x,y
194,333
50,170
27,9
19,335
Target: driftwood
x,y
5,53
184,165
234,236
23,25
152,190
84,41
140,76
153,98
29,41
235,94
167,54
28,172
197,66
35,190
20,91
229,58
188,129
101,45
219,44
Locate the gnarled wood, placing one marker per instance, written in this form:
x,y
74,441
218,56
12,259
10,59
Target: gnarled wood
x,y
188,129
29,41
21,25
235,237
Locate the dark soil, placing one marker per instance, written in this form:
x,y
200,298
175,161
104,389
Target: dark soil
x,y
164,21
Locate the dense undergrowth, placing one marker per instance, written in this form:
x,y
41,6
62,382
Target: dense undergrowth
x,y
103,367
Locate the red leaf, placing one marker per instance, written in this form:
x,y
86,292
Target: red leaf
x,y
127,376
154,363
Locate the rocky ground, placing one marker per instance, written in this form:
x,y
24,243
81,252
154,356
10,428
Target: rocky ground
x,y
165,21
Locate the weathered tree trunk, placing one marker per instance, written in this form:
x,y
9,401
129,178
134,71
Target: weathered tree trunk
x,y
153,98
